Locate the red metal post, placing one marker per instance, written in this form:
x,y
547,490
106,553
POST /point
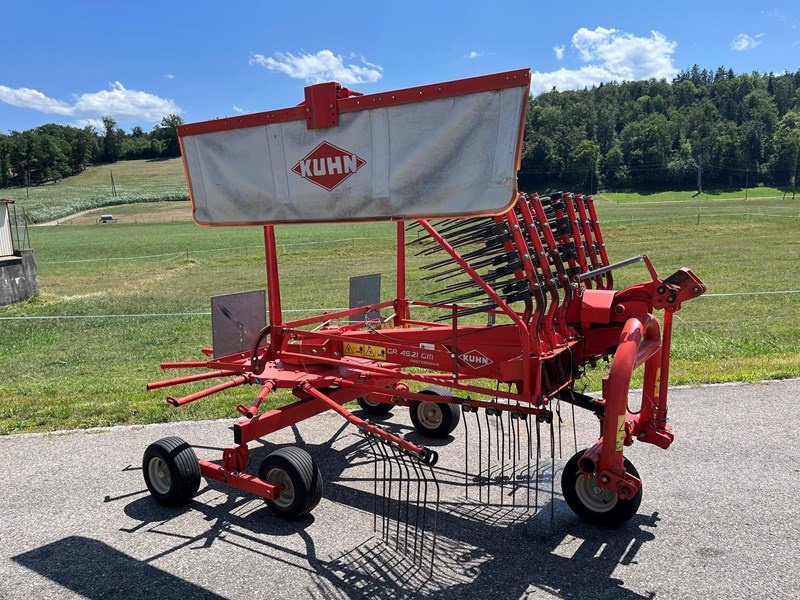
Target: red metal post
x,y
273,288
401,302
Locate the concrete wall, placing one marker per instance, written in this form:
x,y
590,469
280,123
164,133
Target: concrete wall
x,y
18,277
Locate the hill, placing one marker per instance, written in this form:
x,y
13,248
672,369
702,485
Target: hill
x,y
134,181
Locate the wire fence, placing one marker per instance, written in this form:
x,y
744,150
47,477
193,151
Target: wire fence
x,y
320,310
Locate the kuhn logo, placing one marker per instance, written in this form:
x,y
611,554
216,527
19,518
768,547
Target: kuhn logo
x,y
327,166
475,359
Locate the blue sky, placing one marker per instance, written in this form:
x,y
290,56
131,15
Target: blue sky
x,y
72,62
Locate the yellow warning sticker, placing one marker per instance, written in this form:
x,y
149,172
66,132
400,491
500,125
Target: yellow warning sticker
x,y
365,350
620,433
657,383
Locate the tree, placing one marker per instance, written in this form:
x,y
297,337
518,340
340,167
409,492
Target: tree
x,y
167,133
112,141
584,159
786,143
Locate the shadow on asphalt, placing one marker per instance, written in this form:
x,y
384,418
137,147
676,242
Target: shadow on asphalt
x,y
95,570
481,550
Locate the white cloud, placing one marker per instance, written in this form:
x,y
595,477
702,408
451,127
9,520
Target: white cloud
x,y
319,67
118,102
29,98
474,54
238,109
611,55
559,51
96,123
169,76
744,41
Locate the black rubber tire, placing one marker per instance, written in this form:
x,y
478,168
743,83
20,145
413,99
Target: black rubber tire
x,y
624,509
377,409
305,477
451,414
184,470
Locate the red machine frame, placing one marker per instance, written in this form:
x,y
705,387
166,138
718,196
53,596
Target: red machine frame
x,y
330,365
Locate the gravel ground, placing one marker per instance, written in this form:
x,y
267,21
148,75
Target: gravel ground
x,y
719,518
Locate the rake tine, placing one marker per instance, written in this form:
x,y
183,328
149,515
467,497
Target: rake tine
x,y
512,431
384,480
418,475
464,411
538,455
488,457
424,514
528,466
397,457
502,441
480,457
387,496
558,414
406,461
436,516
552,469
574,431
374,485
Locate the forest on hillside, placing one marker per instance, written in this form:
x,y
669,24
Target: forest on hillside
x,y
51,152
656,135
711,128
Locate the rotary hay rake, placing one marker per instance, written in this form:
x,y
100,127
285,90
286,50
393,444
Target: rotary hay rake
x,y
537,266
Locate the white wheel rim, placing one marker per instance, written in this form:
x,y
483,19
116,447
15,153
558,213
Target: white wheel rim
x,y
594,497
430,415
370,402
159,475
286,496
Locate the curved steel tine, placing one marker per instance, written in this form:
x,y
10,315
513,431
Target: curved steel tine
x,y
552,469
480,456
436,516
538,456
500,441
558,414
386,503
406,460
424,514
399,458
527,419
418,477
374,484
574,430
488,457
511,433
503,459
464,410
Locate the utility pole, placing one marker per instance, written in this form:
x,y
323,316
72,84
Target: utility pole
x,y
700,174
113,187
746,182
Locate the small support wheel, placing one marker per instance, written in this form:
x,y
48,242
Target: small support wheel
x,y
171,471
593,503
295,469
374,408
435,419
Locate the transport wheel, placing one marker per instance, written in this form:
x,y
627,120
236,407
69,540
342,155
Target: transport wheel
x,y
595,504
434,419
171,471
374,408
296,470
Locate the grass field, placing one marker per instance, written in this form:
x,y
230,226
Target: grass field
x,y
135,181
78,372
690,195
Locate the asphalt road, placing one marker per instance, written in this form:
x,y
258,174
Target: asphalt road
x,y
720,518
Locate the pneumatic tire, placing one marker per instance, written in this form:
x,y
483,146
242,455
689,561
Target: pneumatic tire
x,y
434,419
296,470
171,471
592,503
